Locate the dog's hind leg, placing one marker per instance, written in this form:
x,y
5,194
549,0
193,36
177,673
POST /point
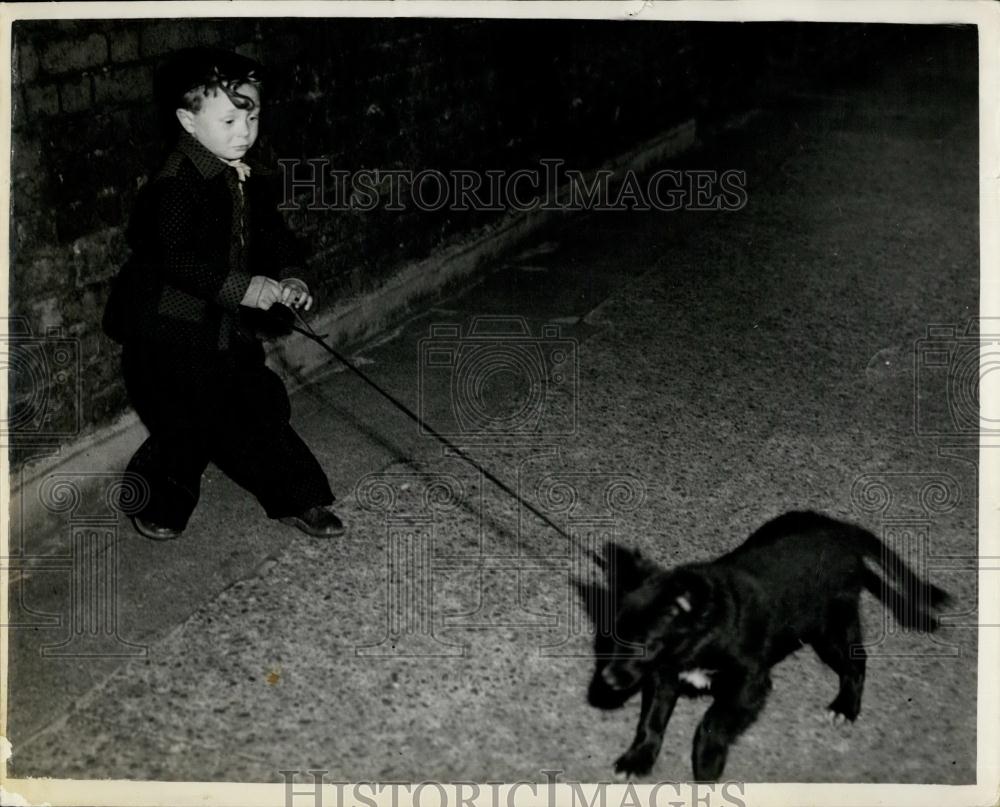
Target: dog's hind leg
x,y
839,646
658,700
726,719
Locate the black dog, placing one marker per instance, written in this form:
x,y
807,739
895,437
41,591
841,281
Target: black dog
x,y
717,628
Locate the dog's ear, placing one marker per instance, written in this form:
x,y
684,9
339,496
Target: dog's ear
x,y
626,569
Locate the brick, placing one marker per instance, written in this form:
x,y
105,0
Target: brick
x,y
81,217
41,99
96,257
88,132
124,46
161,37
75,94
101,175
19,111
25,159
282,48
123,84
71,55
143,126
39,272
32,230
47,315
251,50
63,29
25,64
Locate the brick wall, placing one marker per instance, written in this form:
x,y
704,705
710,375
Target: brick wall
x,y
363,93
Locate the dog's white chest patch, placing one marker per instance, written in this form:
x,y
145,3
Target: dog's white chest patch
x,y
698,678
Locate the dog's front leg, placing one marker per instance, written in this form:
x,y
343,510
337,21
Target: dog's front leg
x,y
658,699
726,719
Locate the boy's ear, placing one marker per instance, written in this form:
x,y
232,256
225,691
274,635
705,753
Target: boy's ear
x,y
186,118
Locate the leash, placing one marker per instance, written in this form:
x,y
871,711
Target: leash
x,y
320,340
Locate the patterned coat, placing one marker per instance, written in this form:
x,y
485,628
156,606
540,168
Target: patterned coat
x,y
197,236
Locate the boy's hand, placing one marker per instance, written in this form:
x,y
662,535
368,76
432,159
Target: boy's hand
x,y
295,293
263,292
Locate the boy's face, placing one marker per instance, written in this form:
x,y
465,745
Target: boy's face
x,y
220,126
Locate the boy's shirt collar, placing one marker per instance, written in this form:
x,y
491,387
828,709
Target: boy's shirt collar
x,y
208,164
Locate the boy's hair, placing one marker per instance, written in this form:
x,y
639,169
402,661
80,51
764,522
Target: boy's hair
x,y
191,75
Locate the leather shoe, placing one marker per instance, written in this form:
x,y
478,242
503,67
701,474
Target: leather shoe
x,y
316,521
154,531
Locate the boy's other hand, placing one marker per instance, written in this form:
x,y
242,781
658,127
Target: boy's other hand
x,y
295,293
263,292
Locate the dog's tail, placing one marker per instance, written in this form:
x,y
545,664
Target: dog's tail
x,y
912,601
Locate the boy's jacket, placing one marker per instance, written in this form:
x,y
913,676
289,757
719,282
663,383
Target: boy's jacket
x,y
196,241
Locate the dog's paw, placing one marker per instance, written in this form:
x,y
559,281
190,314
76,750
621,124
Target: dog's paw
x,y
635,763
835,718
843,709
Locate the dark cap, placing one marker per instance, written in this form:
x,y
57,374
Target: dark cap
x,y
212,68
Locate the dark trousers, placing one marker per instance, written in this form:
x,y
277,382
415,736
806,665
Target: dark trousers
x,y
226,408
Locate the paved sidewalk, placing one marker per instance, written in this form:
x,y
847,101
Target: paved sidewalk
x,y
732,366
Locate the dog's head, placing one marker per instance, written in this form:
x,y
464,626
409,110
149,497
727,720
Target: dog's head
x,y
645,616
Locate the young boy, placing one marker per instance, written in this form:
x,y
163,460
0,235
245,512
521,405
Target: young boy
x,y
210,253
